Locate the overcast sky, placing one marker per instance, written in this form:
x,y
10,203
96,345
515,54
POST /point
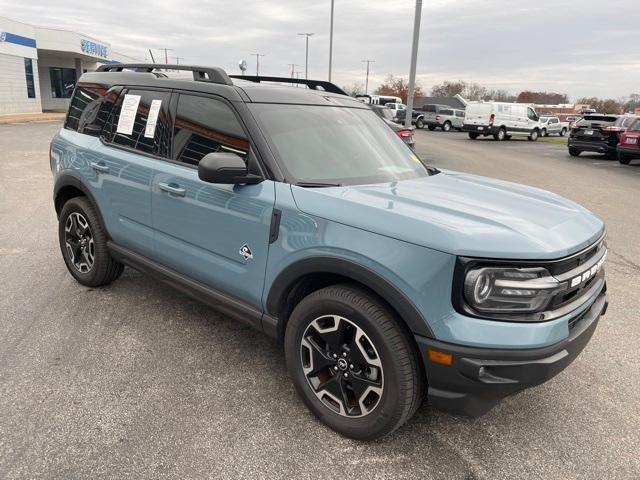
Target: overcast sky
x,y
579,47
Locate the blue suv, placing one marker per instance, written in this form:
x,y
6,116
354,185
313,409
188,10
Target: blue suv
x,y
300,213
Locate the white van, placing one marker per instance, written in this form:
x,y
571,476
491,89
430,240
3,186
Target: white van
x,y
378,99
502,120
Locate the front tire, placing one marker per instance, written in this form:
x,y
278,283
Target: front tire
x,y
623,159
352,362
419,123
574,152
446,127
501,135
83,242
473,135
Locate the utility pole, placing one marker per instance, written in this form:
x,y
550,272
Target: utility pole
x,y
258,55
331,40
414,61
306,61
178,60
366,82
293,67
166,54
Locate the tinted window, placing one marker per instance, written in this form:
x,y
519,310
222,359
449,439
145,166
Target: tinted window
x,y
204,125
429,108
90,108
154,141
531,114
28,71
459,113
446,112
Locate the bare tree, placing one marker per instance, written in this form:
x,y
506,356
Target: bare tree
x,y
398,87
354,89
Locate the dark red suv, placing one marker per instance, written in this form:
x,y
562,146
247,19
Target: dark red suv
x,y
629,146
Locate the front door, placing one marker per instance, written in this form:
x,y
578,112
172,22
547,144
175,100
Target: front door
x,y
216,234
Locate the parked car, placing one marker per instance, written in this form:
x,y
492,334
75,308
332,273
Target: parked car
x,y
434,116
629,147
553,126
599,133
378,99
298,212
406,134
501,120
395,106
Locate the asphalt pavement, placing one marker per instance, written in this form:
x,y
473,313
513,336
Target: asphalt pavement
x,y
135,380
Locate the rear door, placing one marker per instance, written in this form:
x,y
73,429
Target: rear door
x,y
124,162
216,234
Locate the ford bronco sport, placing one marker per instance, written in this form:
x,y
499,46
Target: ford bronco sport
x,y
299,212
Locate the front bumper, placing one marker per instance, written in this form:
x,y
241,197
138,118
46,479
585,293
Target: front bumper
x,y
478,378
586,146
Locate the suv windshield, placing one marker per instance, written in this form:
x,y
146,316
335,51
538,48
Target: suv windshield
x,y
335,145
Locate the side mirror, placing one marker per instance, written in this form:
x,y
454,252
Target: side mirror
x,y
225,167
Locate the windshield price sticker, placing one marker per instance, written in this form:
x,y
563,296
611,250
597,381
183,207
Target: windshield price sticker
x,y
154,110
128,114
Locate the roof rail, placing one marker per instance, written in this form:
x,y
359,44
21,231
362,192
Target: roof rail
x,y
321,85
200,74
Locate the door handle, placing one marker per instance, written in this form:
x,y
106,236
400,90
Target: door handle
x,y
173,189
99,167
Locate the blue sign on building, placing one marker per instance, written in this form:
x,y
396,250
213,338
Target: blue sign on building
x,y
93,48
17,39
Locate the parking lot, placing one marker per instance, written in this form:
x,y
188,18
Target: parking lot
x,y
137,381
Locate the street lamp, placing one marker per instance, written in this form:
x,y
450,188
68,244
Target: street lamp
x,y
306,61
366,82
414,61
331,40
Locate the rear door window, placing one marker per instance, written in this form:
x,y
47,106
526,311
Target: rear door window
x,y
140,121
205,125
90,108
446,112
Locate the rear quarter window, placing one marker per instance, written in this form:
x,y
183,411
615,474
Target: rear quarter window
x,y
90,108
429,108
446,112
635,126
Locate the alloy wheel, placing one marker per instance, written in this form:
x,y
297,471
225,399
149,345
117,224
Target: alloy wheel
x,y
342,366
78,240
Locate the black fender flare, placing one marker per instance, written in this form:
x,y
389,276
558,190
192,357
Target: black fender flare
x,y
69,180
405,308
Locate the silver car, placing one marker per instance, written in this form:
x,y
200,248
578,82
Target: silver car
x,y
444,117
553,126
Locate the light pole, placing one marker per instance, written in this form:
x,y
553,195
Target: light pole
x,y
306,56
414,61
258,55
293,66
366,82
331,40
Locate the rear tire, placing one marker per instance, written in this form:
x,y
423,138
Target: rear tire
x,y
83,242
543,133
533,136
623,159
563,132
419,123
347,322
501,135
473,135
574,152
446,126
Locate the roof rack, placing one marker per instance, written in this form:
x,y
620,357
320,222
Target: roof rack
x,y
321,85
200,74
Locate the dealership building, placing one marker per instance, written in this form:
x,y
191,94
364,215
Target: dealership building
x,y
39,66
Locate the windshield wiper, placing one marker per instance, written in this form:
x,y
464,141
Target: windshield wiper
x,y
317,184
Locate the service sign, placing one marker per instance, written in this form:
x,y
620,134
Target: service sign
x,y
93,48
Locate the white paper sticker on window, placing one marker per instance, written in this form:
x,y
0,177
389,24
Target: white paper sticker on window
x,y
128,114
150,130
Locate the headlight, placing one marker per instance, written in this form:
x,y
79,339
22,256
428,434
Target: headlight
x,y
510,290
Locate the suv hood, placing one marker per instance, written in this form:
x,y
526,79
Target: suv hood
x,y
460,214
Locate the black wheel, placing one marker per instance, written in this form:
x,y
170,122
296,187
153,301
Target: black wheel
x,y
83,243
446,126
574,152
563,132
543,133
420,123
623,159
501,135
473,135
352,362
533,136
431,127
